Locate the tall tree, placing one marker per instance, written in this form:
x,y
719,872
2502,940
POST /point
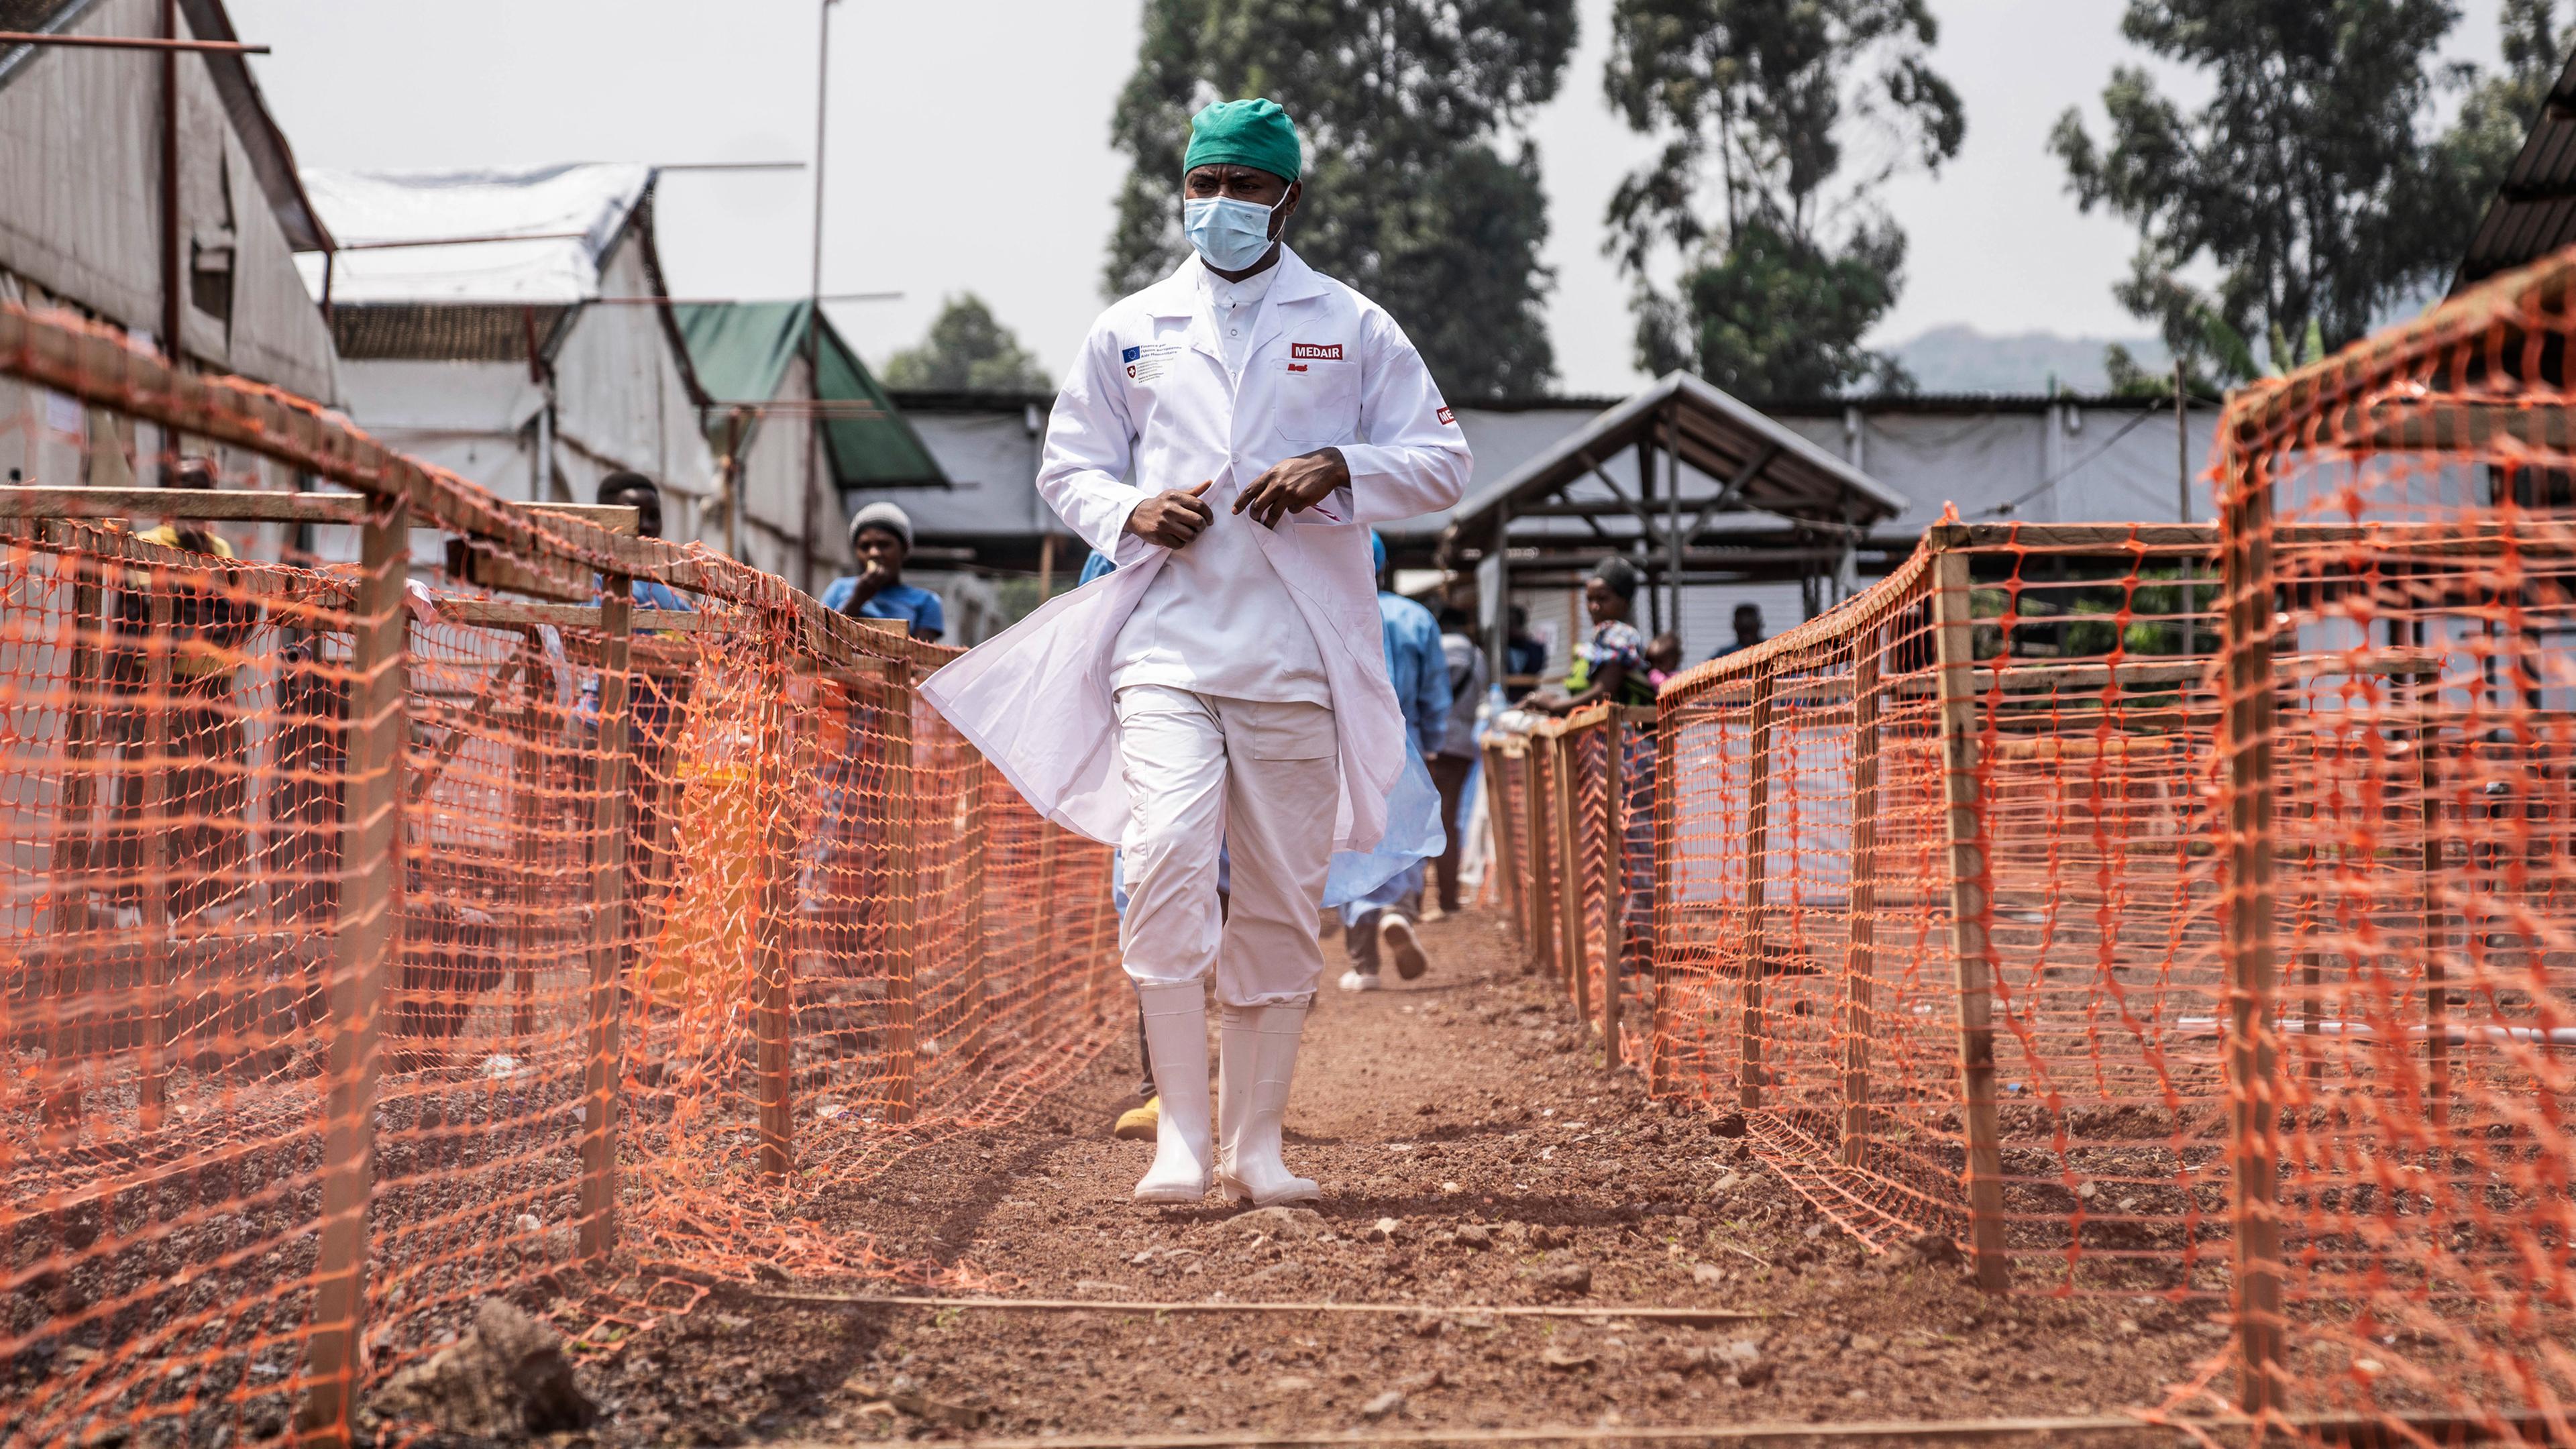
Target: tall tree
x,y
1793,113
2498,110
2314,179
966,350
1422,187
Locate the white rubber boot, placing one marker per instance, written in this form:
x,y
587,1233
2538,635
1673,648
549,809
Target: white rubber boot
x,y
1258,1063
1176,1038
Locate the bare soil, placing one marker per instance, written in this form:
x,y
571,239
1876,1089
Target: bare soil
x,y
1469,1108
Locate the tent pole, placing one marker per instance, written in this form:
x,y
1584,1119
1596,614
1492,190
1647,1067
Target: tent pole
x,y
1673,509
1646,530
1497,651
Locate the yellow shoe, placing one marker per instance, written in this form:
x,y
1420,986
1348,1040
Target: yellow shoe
x,y
1139,1124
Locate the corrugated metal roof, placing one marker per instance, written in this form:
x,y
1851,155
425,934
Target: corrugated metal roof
x,y
2534,211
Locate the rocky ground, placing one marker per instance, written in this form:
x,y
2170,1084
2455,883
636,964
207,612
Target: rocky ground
x,y
1474,1154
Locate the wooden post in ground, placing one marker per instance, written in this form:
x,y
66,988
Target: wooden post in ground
x,y
774,919
1542,854
367,942
1860,965
2246,743
903,900
527,817
1972,962
975,958
1659,1035
1757,869
154,827
1569,848
603,1071
2437,1006
1499,864
74,967
1614,880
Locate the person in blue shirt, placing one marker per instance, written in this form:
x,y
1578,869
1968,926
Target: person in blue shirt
x,y
881,535
1381,922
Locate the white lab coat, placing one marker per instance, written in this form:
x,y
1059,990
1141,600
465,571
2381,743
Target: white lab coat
x,y
1149,399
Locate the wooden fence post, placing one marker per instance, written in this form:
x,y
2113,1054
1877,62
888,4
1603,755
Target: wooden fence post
x,y
1659,1052
1757,869
603,1074
774,918
1499,866
367,942
1860,966
1614,881
2254,1149
1569,849
527,785
1542,852
903,903
153,829
975,958
1954,644
70,866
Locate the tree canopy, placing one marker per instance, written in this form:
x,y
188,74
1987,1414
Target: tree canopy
x,y
1422,190
1792,113
2315,180
966,350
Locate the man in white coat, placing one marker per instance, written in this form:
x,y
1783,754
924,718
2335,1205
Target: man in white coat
x,y
1227,436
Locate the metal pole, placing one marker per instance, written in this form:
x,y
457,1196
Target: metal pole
x,y
814,304
2182,444
1497,654
172,277
1673,514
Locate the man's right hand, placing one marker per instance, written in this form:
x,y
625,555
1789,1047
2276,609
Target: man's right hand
x,y
1172,517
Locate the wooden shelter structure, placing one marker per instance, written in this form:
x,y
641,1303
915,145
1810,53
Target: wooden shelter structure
x,y
1722,493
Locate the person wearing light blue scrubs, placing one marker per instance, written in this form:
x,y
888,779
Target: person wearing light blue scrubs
x,y
1380,922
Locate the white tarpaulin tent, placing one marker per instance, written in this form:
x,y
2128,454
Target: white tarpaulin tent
x,y
565,218
486,348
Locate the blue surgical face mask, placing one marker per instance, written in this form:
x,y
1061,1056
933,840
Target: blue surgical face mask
x,y
1231,235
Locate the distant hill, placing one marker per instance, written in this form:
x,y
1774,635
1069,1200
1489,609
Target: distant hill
x,y
1960,359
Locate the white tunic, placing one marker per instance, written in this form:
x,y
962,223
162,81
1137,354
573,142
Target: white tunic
x,y
1219,620
1149,404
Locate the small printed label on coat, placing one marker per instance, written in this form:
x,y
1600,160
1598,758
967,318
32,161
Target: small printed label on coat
x,y
1448,417
1298,367
1147,362
1316,351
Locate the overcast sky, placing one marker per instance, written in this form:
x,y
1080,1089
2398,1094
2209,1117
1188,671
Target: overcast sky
x,y
969,148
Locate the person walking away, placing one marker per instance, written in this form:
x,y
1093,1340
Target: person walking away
x,y
1381,922
881,536
1227,681
1611,663
1453,766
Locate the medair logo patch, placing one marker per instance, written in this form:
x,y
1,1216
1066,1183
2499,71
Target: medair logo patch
x,y
1316,351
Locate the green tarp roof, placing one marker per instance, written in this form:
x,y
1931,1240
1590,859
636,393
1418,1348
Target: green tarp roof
x,y
741,351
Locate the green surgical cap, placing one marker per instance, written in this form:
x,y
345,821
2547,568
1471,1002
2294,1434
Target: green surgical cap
x,y
1245,133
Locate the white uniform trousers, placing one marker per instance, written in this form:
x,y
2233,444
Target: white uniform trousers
x,y
1256,779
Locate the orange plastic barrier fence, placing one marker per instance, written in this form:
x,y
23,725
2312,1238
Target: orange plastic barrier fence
x,y
2168,910
396,917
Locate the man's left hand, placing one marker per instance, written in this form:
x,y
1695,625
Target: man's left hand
x,y
1294,484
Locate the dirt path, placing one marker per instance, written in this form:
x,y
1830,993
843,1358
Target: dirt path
x,y
1470,1109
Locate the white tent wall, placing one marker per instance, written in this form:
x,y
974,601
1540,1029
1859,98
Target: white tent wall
x,y
991,459
621,401
80,204
774,473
